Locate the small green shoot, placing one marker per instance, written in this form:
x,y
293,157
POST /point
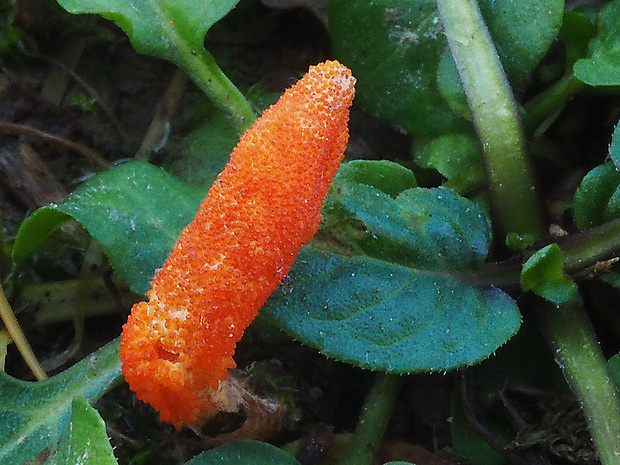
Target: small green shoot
x,y
543,273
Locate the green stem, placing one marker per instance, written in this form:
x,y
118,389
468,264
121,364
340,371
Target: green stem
x,y
581,251
589,247
548,103
374,419
513,197
579,355
515,207
202,68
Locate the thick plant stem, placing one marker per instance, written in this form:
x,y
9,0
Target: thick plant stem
x,y
515,209
374,419
514,199
202,68
578,353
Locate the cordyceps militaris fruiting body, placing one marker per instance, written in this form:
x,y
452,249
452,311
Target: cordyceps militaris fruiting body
x,y
177,347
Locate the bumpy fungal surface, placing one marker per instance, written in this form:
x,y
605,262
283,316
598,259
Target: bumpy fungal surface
x,y
178,346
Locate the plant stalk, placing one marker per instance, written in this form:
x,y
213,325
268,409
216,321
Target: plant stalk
x,y
589,247
580,250
548,103
202,68
374,419
515,207
578,354
514,200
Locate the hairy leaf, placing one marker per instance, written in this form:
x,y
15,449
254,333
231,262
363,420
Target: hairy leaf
x,y
433,229
35,229
34,415
396,73
402,304
456,157
396,58
597,199
614,367
602,65
386,317
136,212
158,27
244,453
386,176
543,273
398,301
522,31
614,147
86,440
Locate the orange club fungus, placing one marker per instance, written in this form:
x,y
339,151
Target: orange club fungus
x,y
177,348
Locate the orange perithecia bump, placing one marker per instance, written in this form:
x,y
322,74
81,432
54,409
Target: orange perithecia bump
x,y
177,347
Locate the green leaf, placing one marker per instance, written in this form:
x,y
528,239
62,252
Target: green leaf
x,y
35,229
158,27
614,367
518,242
450,87
456,157
602,66
396,59
135,211
422,316
522,31
176,32
386,317
577,31
34,415
396,74
597,199
86,440
244,453
386,176
399,301
431,229
614,147
543,273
